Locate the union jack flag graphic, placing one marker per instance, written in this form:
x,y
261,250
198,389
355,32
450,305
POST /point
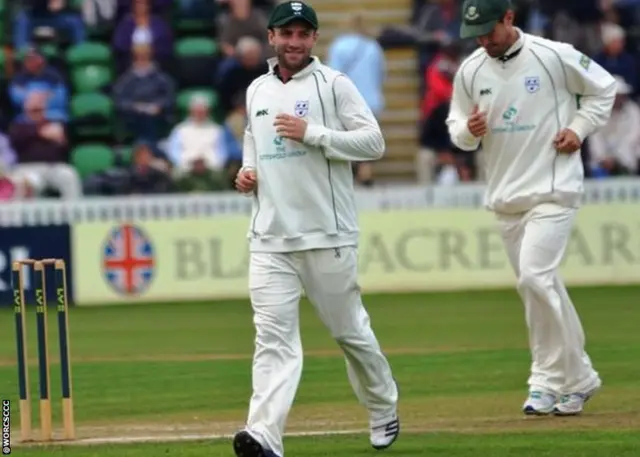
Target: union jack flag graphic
x,y
128,260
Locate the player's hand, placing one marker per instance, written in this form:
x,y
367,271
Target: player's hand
x,y
246,181
477,122
290,127
567,141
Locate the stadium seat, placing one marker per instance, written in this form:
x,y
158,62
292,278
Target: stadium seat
x,y
125,154
92,158
196,46
205,23
196,61
91,78
87,53
92,115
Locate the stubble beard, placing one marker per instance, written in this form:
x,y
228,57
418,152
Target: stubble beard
x,y
293,67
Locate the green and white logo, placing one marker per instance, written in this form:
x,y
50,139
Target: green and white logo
x,y
511,123
472,13
281,151
585,62
509,113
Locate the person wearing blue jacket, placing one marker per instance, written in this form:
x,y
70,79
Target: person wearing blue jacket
x,y
38,76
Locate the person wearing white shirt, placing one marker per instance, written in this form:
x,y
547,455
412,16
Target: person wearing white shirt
x,y
531,102
306,123
615,148
197,138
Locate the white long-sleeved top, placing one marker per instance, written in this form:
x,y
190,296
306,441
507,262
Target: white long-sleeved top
x,y
619,139
305,196
546,87
191,140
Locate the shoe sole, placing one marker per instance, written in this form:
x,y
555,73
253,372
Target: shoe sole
x,y
246,445
393,440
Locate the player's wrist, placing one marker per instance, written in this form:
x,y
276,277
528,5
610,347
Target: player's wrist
x,y
316,135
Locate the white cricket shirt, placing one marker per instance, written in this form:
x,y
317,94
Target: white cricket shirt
x,y
304,198
546,87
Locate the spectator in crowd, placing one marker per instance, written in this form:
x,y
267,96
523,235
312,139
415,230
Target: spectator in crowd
x,y
159,7
435,23
99,13
263,5
574,21
359,56
435,145
200,178
238,71
144,96
615,148
8,157
38,76
197,9
614,58
199,142
147,174
42,149
60,15
142,27
438,79
242,21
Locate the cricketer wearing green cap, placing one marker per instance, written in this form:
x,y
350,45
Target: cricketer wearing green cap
x,y
287,12
479,17
515,97
306,123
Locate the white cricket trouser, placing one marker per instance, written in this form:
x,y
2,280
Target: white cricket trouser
x,y
329,278
536,244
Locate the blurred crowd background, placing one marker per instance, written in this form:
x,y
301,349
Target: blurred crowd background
x,y
123,97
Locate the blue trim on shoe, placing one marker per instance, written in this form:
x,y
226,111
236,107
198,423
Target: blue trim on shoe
x,y
529,410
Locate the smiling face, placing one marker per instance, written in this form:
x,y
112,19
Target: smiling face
x,y
293,44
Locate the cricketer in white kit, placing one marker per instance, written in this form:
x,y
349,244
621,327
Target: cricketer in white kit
x,y
306,122
531,102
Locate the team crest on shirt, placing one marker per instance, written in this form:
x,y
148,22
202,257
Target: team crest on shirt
x,y
302,108
532,83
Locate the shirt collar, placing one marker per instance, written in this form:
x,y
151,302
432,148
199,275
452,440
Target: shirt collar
x,y
515,48
313,65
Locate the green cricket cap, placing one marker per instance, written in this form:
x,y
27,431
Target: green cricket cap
x,y
287,12
479,17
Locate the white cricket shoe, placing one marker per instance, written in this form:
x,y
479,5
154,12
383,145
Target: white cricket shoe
x,y
382,436
539,403
573,404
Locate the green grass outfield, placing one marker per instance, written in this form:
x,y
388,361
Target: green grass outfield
x,y
171,371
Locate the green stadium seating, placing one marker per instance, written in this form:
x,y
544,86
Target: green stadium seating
x,y
196,61
196,47
92,114
204,25
87,53
91,103
126,154
92,158
91,78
